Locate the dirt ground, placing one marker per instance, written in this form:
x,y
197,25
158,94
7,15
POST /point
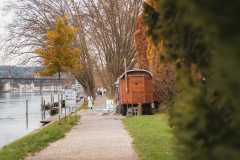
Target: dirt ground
x,y
94,138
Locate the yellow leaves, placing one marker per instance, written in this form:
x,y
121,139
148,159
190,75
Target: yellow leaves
x,y
153,54
141,44
52,35
58,55
149,58
150,2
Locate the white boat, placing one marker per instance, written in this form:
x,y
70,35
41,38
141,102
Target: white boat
x,y
31,91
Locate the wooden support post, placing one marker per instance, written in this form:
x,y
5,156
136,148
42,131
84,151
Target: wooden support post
x,y
53,102
65,114
127,109
139,109
44,107
42,102
51,99
27,113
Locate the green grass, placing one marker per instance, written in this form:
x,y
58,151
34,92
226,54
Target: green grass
x,y
152,137
36,142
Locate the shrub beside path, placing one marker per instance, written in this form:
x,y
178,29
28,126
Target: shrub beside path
x,y
94,138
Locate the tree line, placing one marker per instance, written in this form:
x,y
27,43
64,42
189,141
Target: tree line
x,y
17,71
105,35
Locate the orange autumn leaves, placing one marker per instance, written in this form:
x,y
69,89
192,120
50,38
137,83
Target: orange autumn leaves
x,y
149,59
58,55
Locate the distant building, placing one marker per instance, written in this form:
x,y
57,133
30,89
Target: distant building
x,y
79,89
7,87
78,86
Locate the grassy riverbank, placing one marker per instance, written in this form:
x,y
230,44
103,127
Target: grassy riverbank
x,y
153,138
36,142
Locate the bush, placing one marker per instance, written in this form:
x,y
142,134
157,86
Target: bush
x,y
202,39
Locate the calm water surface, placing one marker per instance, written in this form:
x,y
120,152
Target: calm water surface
x,y
13,124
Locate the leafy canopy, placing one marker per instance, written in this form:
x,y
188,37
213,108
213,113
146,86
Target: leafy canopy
x,y
58,54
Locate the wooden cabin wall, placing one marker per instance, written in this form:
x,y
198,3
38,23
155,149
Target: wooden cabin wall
x,y
123,95
137,89
140,90
148,90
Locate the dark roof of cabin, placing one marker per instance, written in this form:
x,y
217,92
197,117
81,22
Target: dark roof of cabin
x,y
133,71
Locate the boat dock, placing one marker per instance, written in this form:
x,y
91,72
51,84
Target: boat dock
x,y
52,118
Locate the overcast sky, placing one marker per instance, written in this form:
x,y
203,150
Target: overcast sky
x,y
4,19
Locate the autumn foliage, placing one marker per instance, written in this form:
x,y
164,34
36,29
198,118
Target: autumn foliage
x,y
141,44
58,55
149,55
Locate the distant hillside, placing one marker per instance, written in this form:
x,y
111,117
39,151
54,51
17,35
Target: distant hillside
x,y
17,71
23,72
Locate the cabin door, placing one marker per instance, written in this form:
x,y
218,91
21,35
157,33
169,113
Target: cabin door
x,y
137,91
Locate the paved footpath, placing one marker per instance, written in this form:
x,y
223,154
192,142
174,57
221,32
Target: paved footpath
x,y
94,138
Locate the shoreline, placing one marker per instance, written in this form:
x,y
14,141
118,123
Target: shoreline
x,y
41,127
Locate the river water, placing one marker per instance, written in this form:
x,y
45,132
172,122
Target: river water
x,y
13,124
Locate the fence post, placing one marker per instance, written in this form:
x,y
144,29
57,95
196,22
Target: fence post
x,y
44,107
139,113
27,113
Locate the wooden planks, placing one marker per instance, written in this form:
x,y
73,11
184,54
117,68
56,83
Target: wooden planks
x,y
140,90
